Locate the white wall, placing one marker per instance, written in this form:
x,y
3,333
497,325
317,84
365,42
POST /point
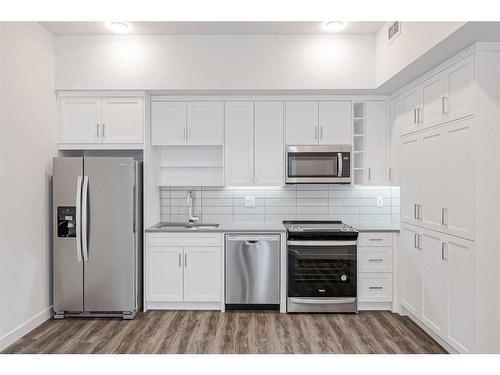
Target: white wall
x,y
27,144
169,62
416,39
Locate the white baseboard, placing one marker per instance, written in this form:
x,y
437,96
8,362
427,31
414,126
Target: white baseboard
x,y
367,306
155,305
25,328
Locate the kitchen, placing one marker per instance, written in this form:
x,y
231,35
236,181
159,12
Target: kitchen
x,y
287,195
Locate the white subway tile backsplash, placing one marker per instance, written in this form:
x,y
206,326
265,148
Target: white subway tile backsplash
x,y
351,204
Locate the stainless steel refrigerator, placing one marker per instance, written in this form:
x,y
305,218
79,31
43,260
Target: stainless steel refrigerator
x,y
97,256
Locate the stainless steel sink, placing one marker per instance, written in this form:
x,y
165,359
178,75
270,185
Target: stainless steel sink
x,y
184,226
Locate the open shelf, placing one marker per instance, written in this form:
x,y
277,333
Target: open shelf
x,y
359,142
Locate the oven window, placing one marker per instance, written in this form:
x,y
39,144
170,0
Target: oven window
x,y
309,164
322,271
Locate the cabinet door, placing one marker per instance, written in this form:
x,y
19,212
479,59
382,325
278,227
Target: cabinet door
x,y
393,139
409,102
80,119
460,312
410,177
238,145
434,282
433,172
202,274
375,134
461,164
168,123
411,273
269,164
122,120
433,92
164,274
335,123
460,82
205,123
301,123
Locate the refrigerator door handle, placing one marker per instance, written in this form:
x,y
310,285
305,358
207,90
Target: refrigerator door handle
x,y
78,219
85,194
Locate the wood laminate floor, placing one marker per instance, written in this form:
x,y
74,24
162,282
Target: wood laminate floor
x,y
231,332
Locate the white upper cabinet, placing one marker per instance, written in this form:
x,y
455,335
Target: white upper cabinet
x,y
205,123
122,120
269,158
433,92
409,110
90,121
460,85
375,138
253,144
444,97
393,138
301,119
335,123
80,120
239,144
187,123
168,123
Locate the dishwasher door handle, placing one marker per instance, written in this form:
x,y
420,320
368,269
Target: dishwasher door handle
x,y
252,238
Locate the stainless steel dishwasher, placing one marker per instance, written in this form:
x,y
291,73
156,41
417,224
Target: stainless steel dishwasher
x,y
252,271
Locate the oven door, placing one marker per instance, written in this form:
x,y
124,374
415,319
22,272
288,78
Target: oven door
x,y
322,269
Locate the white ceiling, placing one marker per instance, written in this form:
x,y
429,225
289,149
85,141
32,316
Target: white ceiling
x,y
72,28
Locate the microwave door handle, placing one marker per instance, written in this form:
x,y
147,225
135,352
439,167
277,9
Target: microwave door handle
x,y
339,164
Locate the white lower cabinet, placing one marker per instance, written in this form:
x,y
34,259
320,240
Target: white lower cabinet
x,y
437,286
375,270
183,268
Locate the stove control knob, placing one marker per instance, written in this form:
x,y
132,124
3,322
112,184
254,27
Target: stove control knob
x,y
343,277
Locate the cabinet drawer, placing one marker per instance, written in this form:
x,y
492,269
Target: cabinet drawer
x,y
375,259
375,239
375,287
183,239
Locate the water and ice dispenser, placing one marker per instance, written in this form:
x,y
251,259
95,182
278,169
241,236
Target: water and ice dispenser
x,y
66,221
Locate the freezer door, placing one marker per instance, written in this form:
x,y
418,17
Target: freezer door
x,y
67,256
109,269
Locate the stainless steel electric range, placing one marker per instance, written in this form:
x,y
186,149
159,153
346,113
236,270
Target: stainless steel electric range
x,y
322,266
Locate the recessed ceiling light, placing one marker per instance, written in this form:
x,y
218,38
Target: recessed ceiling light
x,y
119,27
333,26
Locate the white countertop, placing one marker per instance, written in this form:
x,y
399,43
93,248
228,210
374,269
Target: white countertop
x,y
276,227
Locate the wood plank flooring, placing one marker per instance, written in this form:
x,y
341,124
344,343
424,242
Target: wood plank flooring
x,y
231,332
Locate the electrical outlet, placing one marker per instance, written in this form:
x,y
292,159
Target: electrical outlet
x,y
249,201
380,201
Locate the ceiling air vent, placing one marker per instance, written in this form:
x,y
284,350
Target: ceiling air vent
x,y
393,31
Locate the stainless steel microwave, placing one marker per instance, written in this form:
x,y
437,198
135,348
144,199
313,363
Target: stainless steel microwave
x,y
318,164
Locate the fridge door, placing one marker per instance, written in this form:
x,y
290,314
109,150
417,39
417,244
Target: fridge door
x,y
67,256
110,266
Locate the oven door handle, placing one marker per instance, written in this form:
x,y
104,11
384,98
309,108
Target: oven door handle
x,y
321,301
322,243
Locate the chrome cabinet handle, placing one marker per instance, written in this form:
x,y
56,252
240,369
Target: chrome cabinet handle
x,y
185,260
415,240
369,174
184,136
376,287
104,130
180,260
444,105
376,239
444,216
414,115
415,211
189,133
320,132
78,219
375,260
97,135
444,251
390,174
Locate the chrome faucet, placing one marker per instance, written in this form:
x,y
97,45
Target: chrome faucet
x,y
191,219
